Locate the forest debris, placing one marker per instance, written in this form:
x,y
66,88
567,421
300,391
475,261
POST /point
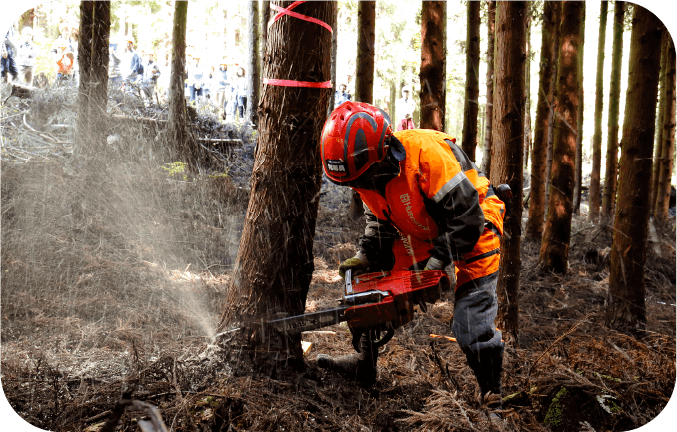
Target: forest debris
x,y
306,346
552,345
438,413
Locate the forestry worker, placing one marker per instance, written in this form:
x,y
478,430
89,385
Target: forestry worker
x,y
426,206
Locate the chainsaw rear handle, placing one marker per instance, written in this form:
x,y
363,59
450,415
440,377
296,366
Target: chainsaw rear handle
x,y
374,333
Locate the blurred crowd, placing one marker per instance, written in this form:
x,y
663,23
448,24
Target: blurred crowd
x,y
132,70
222,85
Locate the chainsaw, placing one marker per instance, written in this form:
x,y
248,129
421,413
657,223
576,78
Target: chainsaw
x,y
380,301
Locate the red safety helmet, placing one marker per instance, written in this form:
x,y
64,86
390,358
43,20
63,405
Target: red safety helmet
x,y
355,136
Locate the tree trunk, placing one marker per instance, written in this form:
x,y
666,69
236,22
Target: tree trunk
x,y
578,185
554,251
553,98
366,39
658,144
534,225
609,196
526,147
472,76
334,84
364,75
489,112
84,89
178,134
626,300
667,159
265,18
274,264
99,70
599,107
506,158
433,64
253,61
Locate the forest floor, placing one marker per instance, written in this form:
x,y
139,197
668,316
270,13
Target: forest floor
x,y
114,274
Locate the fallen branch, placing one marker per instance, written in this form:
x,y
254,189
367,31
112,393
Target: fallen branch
x,y
443,371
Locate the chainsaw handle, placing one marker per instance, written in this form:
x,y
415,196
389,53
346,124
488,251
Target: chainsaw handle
x,y
390,332
374,334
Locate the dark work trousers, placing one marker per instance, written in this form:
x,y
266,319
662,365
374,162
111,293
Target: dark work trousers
x,y
474,313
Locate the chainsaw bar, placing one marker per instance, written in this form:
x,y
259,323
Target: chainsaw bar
x,y
309,321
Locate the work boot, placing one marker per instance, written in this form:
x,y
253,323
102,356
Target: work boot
x,y
488,372
359,367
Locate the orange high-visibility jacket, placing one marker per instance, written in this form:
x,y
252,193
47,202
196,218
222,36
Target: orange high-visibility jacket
x,y
439,205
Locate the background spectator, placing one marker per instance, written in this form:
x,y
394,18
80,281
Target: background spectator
x,y
241,93
341,95
151,73
63,38
26,56
195,79
75,32
64,64
131,67
222,87
114,61
404,108
208,83
7,60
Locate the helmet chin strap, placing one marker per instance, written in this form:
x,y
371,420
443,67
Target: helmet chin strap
x,y
382,172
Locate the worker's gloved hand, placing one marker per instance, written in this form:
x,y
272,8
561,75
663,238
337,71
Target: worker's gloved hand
x,y
434,264
358,264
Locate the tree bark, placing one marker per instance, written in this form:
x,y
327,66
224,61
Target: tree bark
x,y
472,89
99,70
177,131
364,75
578,185
85,61
526,147
599,108
534,225
265,17
658,144
506,158
274,264
366,39
626,300
609,196
554,251
667,159
553,98
253,78
433,64
334,84
489,111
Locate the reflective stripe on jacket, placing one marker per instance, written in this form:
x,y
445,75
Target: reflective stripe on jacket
x,y
440,205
